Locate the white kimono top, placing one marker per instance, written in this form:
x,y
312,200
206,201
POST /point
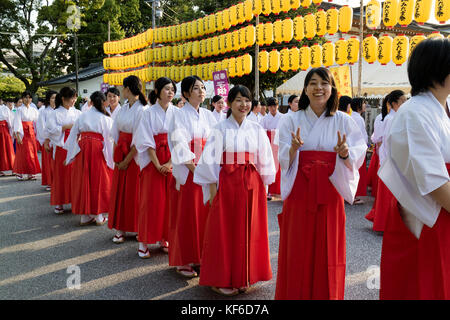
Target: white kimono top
x,y
127,120
255,117
8,116
320,134
419,145
378,127
56,120
24,114
270,122
361,124
91,121
41,133
115,112
219,116
154,121
386,127
228,136
186,125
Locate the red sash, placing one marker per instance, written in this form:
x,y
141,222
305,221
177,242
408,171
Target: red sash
x,y
162,148
91,135
123,146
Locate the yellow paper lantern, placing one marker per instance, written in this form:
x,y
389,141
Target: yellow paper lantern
x,y
225,65
250,35
256,7
370,44
422,11
276,7
295,4
194,28
352,50
183,31
340,51
263,61
332,21
226,19
149,36
266,7
189,29
373,14
222,46
299,29
175,53
274,61
248,10
405,12
233,15
260,34
316,55
202,48
287,27
247,63
345,18
317,2
105,78
196,49
239,66
240,13
235,40
309,23
215,46
390,13
328,54
384,51
242,38
229,42
278,31
212,23
305,57
201,27
415,40
284,59
400,46
218,20
232,67
435,34
268,33
442,11
285,5
305,3
321,22
294,58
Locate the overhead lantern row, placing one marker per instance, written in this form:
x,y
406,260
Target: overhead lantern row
x,y
235,66
403,12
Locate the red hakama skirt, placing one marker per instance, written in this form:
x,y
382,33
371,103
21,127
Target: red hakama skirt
x,y
91,177
188,219
236,246
124,201
274,188
61,179
362,185
372,176
6,148
155,189
312,253
46,157
26,160
411,268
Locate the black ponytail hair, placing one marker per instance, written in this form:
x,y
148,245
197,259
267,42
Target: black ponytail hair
x,y
134,84
98,98
215,99
384,107
395,95
243,90
64,93
154,95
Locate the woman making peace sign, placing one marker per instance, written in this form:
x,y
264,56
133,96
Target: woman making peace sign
x,y
320,153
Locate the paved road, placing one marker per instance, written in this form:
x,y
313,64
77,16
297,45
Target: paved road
x,y
38,248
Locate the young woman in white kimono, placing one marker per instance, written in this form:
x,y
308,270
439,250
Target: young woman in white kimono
x,y
293,103
124,204
58,127
254,114
154,161
234,168
218,103
113,98
188,131
41,135
320,153
7,154
26,160
270,124
89,148
415,256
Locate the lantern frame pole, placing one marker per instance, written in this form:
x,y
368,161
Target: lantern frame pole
x,y
361,35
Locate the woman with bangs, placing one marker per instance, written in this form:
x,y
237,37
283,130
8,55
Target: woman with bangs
x,y
320,153
234,168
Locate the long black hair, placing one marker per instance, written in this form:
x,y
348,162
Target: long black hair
x,y
154,95
134,84
394,96
64,93
384,107
98,98
357,104
188,83
332,103
48,96
243,90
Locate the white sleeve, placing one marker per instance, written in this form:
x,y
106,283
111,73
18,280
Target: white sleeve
x,y
264,161
107,141
17,123
71,144
54,131
143,139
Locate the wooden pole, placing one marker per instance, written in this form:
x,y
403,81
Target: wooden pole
x,y
361,38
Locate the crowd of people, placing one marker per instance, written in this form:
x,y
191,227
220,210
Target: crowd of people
x,y
197,181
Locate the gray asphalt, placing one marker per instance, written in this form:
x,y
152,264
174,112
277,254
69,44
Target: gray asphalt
x,y
38,252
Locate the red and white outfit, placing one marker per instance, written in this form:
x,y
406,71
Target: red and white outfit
x,y
155,188
415,256
188,132
115,112
41,136
6,145
255,117
89,151
362,186
312,252
61,179
380,208
124,204
26,160
372,176
270,124
236,243
219,116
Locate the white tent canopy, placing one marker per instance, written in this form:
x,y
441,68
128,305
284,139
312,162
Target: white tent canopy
x,y
377,80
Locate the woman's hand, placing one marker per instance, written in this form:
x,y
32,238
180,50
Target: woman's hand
x,y
122,165
67,127
296,141
212,192
47,145
341,147
18,138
